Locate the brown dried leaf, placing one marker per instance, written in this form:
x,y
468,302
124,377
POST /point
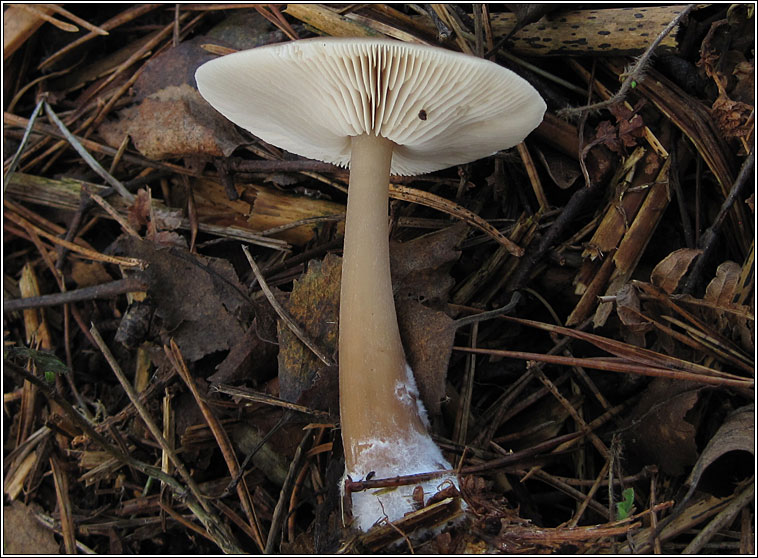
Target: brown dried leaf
x,y
420,267
428,338
199,299
723,287
138,213
562,169
736,434
733,118
606,134
18,26
87,274
23,534
660,433
628,310
254,355
420,271
314,306
670,271
159,223
171,118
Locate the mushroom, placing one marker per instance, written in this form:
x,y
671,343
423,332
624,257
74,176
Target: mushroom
x,y
382,107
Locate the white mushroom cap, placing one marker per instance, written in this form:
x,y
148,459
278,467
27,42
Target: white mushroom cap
x,y
441,108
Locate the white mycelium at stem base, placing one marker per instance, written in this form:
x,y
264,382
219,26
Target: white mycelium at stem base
x,y
383,420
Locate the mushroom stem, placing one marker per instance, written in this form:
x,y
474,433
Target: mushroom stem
x,y
382,419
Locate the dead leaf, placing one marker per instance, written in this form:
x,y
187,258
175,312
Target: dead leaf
x,y
87,274
18,26
562,169
659,433
171,119
606,134
139,215
628,310
420,271
23,534
314,306
723,287
199,299
420,267
670,271
629,122
734,118
254,355
428,337
736,434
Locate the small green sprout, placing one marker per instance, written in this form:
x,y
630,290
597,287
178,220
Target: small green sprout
x,y
624,508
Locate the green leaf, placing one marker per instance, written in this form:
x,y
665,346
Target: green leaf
x,y
624,508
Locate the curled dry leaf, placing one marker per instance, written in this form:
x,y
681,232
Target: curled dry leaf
x,y
428,337
253,356
723,287
139,214
87,274
721,292
562,169
736,434
420,266
628,310
670,271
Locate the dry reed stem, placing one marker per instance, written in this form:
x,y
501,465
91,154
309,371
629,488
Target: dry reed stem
x,y
222,439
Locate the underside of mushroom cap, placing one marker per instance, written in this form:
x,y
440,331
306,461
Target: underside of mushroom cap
x,y
441,108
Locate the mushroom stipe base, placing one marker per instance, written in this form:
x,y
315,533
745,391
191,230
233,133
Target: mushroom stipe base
x,y
398,454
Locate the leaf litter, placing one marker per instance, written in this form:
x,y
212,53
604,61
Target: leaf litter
x,y
544,464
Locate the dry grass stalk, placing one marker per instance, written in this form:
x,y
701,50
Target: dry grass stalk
x,y
60,477
175,357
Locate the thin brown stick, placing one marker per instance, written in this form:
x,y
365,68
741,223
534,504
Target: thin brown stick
x,y
584,499
283,314
183,521
222,439
104,290
264,398
60,478
144,414
634,74
76,19
590,494
128,229
280,511
534,179
741,499
581,423
86,252
41,13
615,366
439,203
200,507
116,21
626,351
